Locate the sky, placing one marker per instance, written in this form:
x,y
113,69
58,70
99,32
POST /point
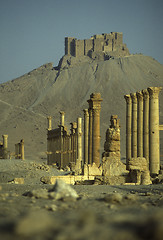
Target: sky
x,y
32,32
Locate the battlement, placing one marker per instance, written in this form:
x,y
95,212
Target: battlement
x,y
110,43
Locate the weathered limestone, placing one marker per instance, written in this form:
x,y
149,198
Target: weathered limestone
x,y
86,134
112,166
112,142
19,150
134,124
95,104
73,141
62,118
139,171
106,43
146,124
5,146
49,118
22,149
90,137
140,124
79,139
128,127
154,146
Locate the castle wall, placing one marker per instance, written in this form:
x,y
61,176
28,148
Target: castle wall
x,y
98,43
88,45
70,46
79,48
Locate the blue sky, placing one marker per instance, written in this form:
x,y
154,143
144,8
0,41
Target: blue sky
x,y
32,32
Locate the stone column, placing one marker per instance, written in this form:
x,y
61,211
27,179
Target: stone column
x,y
140,124
49,118
95,104
90,137
73,141
22,149
134,125
128,128
86,134
79,139
154,145
5,146
62,118
16,151
146,124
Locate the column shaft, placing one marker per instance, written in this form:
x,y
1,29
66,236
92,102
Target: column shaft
x,y
49,118
134,125
140,124
95,107
146,124
79,139
5,146
62,118
22,149
86,134
96,137
154,145
90,138
128,127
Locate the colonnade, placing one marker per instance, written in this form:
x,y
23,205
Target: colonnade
x,y
64,147
142,127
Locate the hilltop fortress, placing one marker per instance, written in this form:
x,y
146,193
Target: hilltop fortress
x,y
98,46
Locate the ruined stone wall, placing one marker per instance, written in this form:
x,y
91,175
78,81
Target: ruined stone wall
x,y
88,46
109,43
79,48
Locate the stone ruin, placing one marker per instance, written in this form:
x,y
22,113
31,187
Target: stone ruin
x,y
142,143
98,46
4,147
5,153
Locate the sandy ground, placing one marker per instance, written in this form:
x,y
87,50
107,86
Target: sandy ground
x,y
100,212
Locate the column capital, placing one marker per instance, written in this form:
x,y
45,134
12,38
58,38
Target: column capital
x,y
5,136
128,99
154,92
139,96
145,94
133,97
62,112
95,101
85,112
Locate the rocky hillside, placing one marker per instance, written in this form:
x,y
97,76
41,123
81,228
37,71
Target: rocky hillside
x,y
25,102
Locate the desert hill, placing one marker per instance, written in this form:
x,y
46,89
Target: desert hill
x,y
25,102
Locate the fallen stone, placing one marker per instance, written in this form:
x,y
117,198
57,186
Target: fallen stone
x,y
112,166
18,180
63,190
38,193
113,198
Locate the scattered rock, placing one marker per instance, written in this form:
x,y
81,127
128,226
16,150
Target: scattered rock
x,y
32,223
63,190
38,193
113,198
51,207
